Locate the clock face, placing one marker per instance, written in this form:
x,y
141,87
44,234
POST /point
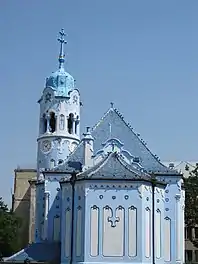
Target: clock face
x,y
46,145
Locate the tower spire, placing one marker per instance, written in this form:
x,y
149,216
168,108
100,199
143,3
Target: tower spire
x,y
62,54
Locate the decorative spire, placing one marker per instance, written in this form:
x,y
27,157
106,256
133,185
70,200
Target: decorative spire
x,y
62,54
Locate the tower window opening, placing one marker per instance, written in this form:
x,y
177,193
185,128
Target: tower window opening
x,y
52,122
62,122
44,121
60,161
70,123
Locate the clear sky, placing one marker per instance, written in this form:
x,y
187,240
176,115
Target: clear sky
x,y
142,55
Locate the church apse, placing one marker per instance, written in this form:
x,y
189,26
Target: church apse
x,y
117,216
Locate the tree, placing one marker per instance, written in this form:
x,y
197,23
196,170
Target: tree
x,y
191,201
9,228
191,197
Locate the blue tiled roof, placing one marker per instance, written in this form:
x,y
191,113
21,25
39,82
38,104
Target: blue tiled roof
x,y
101,132
114,167
38,252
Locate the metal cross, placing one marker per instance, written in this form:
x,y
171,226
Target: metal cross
x,y
62,42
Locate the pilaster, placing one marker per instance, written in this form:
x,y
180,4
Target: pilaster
x,y
53,204
67,221
174,220
39,223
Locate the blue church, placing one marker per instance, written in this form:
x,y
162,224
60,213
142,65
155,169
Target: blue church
x,y
103,197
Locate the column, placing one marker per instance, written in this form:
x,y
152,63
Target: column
x,y
73,125
48,123
46,195
39,211
57,122
78,127
178,228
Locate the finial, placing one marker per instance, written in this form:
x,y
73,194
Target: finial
x,y
62,54
112,104
88,129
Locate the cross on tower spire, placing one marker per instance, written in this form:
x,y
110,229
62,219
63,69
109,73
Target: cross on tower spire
x,y
62,54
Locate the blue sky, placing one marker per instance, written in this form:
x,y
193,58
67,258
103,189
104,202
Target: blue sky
x,y
142,55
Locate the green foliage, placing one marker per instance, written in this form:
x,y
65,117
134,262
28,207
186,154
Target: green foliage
x,y
9,228
191,198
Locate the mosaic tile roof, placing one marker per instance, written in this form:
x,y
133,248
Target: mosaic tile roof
x,y
113,125
114,166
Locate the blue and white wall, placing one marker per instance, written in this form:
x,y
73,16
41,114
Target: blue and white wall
x,y
53,210
39,221
173,220
59,128
112,222
66,222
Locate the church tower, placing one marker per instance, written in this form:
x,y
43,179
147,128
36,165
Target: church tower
x,y
59,121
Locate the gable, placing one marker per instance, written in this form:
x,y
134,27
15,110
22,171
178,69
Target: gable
x,y
113,167
112,125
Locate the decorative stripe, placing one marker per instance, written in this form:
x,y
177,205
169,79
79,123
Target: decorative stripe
x,y
158,233
178,230
147,239
132,233
79,232
167,239
94,231
67,232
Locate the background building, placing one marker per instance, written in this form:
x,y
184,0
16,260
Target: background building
x,y
23,202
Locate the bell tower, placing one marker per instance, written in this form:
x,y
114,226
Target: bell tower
x,y
59,121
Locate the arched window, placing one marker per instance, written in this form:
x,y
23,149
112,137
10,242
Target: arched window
x,y
52,122
70,123
44,123
62,122
52,163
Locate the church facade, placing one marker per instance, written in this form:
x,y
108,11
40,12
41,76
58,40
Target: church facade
x,y
103,197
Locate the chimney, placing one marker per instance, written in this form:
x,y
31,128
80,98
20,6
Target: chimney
x,y
88,149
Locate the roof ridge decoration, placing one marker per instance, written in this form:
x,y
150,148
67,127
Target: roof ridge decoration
x,y
137,135
115,145
112,108
121,170
103,117
113,126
